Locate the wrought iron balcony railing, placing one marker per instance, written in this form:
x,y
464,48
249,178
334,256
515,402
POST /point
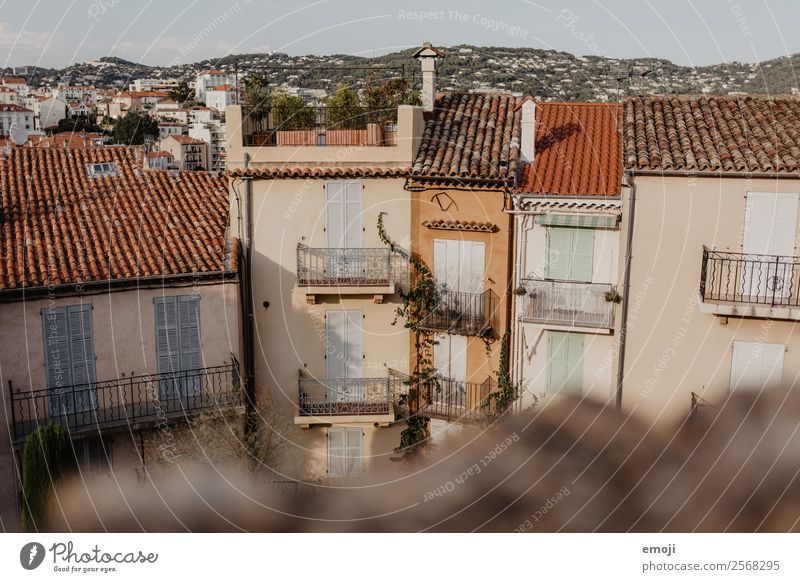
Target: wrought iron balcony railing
x,y
463,313
350,396
123,402
453,400
349,267
568,303
753,279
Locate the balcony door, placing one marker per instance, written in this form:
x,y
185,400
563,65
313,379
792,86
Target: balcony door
x,y
458,265
178,346
344,355
69,359
343,228
450,361
769,232
565,363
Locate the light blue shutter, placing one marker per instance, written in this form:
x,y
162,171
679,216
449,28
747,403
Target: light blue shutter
x,y
81,341
559,246
191,355
565,363
167,345
55,331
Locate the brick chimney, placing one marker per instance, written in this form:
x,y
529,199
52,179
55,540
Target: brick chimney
x,y
428,56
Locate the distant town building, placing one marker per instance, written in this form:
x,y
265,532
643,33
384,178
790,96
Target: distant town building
x,y
189,153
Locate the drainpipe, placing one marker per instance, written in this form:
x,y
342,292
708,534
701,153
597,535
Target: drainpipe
x,y
626,285
247,299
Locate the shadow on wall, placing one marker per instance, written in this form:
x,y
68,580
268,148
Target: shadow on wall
x,y
575,466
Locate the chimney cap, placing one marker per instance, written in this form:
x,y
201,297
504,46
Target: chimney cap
x,y
427,50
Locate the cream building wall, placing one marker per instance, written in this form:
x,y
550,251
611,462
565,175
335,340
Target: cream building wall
x,y
125,345
674,346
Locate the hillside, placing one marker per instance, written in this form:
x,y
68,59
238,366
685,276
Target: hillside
x,y
545,74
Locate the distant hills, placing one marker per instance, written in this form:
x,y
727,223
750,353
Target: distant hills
x,y
546,74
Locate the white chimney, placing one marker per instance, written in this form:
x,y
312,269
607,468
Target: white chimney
x,y
527,138
428,56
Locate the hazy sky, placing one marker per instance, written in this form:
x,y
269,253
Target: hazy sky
x,y
54,33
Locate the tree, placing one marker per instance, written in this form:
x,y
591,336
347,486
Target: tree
x,y
47,455
182,93
343,110
78,124
132,129
382,99
290,112
257,99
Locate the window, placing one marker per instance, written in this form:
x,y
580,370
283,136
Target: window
x,y
565,362
570,254
343,214
93,454
344,354
344,451
103,170
178,345
756,365
69,358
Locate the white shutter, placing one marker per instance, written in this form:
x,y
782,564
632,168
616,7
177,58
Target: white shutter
x,y
335,344
335,215
458,358
352,216
440,261
785,225
355,347
756,366
770,223
337,459
441,354
472,255
355,454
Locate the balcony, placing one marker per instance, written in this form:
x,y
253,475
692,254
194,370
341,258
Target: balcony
x,y
454,400
322,126
323,271
463,313
338,400
568,304
748,285
128,403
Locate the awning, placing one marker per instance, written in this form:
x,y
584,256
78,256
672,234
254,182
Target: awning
x,y
578,220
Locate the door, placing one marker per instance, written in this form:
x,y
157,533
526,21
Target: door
x,y
450,361
565,362
769,233
344,355
343,228
69,359
345,451
178,346
458,268
756,366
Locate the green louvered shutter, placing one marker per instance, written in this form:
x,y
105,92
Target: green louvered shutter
x,y
565,363
581,255
569,254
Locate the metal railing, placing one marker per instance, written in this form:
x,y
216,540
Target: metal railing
x,y
321,126
349,396
463,313
378,267
568,303
746,278
453,400
128,401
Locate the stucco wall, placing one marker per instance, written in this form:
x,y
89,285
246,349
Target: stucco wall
x,y
673,347
124,342
290,333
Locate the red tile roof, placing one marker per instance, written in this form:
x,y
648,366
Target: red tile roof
x,y
12,107
470,136
749,133
322,172
59,226
185,139
577,151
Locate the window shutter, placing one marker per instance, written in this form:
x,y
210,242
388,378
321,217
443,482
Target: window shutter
x,y
167,343
353,210
440,261
191,355
337,460
55,331
354,450
559,246
334,211
785,225
565,351
582,255
79,319
756,365
335,344
354,359
472,266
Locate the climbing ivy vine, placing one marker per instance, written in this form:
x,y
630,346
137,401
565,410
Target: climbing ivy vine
x,y
46,456
421,298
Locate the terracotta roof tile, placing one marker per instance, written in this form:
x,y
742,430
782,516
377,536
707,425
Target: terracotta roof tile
x,y
59,226
323,172
712,133
470,136
577,151
463,225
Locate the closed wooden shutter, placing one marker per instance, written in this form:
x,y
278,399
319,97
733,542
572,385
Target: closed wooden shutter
x,y
178,344
191,353
565,363
756,366
335,216
770,223
459,264
353,210
337,454
55,331
355,454
344,353
570,253
81,341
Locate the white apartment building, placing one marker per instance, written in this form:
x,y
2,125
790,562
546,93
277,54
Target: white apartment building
x,y
218,98
15,117
212,78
